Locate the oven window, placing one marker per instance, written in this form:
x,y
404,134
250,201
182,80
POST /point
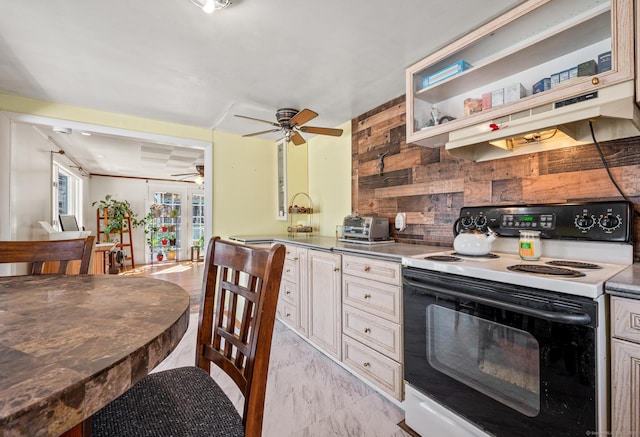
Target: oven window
x,y
500,361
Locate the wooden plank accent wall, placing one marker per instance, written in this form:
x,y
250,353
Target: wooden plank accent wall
x,y
431,186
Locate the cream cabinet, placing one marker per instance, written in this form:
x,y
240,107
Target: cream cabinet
x,y
293,304
371,321
325,317
531,63
625,366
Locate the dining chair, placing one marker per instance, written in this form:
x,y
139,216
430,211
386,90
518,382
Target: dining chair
x,y
47,251
235,327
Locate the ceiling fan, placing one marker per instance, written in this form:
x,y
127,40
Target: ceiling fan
x,y
290,121
199,174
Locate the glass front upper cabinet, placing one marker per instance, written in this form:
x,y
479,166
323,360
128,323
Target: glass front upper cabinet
x,y
538,53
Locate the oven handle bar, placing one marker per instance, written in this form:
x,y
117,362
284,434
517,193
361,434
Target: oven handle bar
x,y
553,316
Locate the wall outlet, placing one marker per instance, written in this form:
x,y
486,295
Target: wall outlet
x,y
401,221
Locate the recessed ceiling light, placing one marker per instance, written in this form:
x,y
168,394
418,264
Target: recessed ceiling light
x,y
87,134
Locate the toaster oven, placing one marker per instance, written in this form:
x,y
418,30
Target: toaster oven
x,y
365,228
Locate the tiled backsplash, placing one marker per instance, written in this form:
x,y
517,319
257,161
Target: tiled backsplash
x,y
431,186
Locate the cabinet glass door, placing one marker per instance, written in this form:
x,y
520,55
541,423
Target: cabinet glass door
x,y
518,65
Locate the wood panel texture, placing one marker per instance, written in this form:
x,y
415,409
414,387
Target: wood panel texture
x,y
431,186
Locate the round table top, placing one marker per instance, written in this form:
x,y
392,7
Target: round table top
x,y
71,344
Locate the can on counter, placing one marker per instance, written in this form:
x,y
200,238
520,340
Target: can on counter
x,y
529,245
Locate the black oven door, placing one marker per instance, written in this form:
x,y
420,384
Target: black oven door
x,y
515,361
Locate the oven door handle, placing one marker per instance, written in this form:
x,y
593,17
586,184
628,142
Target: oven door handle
x,y
553,316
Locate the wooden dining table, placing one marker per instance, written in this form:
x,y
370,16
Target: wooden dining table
x,y
71,344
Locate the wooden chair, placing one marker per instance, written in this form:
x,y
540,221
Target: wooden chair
x,y
235,328
40,252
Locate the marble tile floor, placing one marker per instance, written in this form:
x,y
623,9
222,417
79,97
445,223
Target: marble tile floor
x,y
307,393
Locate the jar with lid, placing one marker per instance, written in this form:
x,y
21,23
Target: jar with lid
x,y
529,245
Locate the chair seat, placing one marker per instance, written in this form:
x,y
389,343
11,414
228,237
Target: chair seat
x,y
181,402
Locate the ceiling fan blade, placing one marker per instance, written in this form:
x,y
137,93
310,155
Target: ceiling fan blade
x,y
321,130
185,174
261,133
257,119
302,117
297,139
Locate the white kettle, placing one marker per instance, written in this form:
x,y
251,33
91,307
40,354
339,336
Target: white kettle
x,y
473,242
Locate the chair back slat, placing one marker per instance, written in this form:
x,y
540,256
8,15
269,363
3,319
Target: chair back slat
x,y
237,314
38,253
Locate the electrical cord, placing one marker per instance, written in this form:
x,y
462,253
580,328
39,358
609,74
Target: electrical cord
x,y
606,167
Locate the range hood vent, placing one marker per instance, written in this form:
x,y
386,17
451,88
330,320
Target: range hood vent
x,y
612,110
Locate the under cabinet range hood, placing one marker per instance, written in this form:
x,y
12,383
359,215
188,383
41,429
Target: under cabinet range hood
x,y
612,110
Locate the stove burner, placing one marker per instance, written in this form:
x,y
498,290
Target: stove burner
x,y
574,264
545,270
444,258
486,255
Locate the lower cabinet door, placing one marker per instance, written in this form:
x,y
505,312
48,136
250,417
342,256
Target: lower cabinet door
x,y
625,390
380,370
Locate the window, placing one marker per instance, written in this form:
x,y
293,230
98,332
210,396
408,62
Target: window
x,y
197,230
67,194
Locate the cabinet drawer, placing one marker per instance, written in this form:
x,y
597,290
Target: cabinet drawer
x,y
374,297
289,292
379,334
380,370
291,252
625,319
383,271
290,270
287,313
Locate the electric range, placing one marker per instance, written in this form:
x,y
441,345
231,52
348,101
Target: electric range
x,y
489,350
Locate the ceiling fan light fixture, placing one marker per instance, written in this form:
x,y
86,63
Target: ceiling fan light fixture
x,y
209,6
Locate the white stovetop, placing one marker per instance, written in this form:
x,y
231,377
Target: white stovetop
x,y
591,285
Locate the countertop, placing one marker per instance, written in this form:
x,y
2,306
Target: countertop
x,y
388,250
626,283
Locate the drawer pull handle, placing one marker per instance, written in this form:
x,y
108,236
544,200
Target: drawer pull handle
x,y
288,315
295,259
367,296
288,291
367,268
367,365
367,330
288,271
337,269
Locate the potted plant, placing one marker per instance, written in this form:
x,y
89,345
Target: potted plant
x,y
160,256
171,254
115,211
172,239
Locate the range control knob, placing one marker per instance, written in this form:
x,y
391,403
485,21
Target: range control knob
x,y
481,222
466,222
584,222
610,222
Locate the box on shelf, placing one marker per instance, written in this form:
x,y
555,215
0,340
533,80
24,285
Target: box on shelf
x,y
514,92
471,106
497,97
604,61
588,68
445,73
541,85
486,101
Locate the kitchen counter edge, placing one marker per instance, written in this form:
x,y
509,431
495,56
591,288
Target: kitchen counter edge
x,y
389,251
626,283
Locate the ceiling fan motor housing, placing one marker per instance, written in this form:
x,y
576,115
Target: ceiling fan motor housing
x,y
284,115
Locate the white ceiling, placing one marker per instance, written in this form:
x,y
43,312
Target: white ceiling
x,y
169,61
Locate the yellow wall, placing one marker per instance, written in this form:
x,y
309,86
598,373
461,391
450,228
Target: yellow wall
x,y
330,178
244,186
42,108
